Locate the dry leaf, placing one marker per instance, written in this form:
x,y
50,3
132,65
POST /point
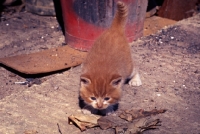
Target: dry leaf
x,y
121,126
138,126
84,121
130,115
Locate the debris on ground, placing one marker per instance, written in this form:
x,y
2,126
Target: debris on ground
x,y
31,81
137,124
132,114
84,121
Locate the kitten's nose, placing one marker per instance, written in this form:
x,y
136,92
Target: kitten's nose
x,y
99,105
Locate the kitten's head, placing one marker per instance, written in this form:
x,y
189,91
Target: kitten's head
x,y
100,92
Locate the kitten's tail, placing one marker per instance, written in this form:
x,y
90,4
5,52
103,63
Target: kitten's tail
x,y
120,16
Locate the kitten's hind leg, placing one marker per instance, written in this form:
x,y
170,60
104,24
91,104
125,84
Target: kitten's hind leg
x,y
135,79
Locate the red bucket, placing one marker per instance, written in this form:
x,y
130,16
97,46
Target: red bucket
x,y
85,20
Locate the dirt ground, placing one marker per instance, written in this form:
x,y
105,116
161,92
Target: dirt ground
x,y
169,63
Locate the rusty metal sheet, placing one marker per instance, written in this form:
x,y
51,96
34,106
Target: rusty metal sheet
x,y
45,61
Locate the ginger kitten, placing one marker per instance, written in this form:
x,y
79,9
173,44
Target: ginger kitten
x,y
107,66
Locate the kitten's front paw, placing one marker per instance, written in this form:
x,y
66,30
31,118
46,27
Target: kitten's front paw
x,y
111,113
86,111
135,81
108,111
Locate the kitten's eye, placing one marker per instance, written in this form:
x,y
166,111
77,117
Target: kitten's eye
x,y
93,98
107,98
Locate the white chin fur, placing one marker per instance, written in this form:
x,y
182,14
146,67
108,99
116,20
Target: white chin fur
x,y
91,108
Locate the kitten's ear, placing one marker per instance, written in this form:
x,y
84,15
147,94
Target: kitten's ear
x,y
85,81
117,81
